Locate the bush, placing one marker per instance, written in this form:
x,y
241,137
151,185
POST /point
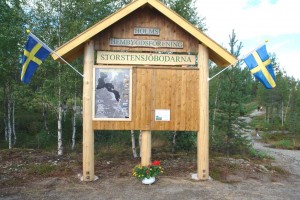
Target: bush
x,y
284,144
185,140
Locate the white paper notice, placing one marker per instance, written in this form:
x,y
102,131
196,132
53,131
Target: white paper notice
x,y
162,115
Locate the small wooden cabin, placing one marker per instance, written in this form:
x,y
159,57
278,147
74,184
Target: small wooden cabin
x,y
145,68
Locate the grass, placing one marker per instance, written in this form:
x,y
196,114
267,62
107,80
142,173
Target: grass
x,y
282,141
258,154
44,169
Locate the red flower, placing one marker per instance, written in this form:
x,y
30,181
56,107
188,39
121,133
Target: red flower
x,y
156,163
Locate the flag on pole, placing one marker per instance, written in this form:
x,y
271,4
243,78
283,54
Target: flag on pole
x,y
259,64
35,52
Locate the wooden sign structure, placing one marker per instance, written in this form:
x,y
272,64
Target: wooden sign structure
x,y
150,73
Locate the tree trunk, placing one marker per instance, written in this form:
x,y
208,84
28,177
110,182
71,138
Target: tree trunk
x,y
133,144
74,122
282,109
5,113
59,132
287,106
174,141
45,116
215,110
14,123
8,123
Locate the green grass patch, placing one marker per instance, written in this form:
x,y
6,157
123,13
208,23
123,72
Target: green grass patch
x,y
44,169
253,153
249,107
282,140
283,144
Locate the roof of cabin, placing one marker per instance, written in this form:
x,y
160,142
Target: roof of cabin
x,y
74,47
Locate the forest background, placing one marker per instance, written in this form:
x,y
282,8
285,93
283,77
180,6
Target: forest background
x,y
46,113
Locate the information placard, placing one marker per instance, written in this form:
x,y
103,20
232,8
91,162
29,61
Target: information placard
x,y
112,93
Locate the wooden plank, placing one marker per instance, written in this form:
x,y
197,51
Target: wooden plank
x,y
195,101
148,99
138,99
153,97
183,108
88,132
203,135
178,99
189,100
173,91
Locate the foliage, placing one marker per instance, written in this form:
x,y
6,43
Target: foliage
x,y
257,154
231,92
153,170
188,10
185,140
42,169
282,140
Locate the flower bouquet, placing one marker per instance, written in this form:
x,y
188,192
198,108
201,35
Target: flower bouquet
x,y
147,172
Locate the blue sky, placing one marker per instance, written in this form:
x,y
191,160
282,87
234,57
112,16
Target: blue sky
x,y
255,21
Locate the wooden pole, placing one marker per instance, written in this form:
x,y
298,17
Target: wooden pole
x,y
203,136
88,132
146,148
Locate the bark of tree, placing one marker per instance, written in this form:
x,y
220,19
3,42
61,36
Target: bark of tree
x,y
74,123
45,116
14,123
5,113
215,111
133,144
174,141
59,132
9,120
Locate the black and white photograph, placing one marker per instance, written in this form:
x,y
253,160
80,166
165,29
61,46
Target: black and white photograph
x,y
112,88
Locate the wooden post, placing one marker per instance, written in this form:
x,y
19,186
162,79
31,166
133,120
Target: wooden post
x,y
146,148
88,132
203,135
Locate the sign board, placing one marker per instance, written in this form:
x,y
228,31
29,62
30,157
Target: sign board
x,y
112,93
146,31
107,57
146,43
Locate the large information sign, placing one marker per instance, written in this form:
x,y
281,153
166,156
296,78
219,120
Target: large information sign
x,y
107,57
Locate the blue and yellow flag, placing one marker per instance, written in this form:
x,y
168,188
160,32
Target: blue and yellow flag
x,y
34,54
259,64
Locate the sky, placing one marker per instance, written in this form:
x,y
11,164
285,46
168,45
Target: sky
x,y
254,22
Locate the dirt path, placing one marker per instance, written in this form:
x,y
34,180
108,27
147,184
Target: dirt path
x,y
287,159
243,186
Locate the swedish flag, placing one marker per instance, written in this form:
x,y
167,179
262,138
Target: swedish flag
x,y
259,64
34,54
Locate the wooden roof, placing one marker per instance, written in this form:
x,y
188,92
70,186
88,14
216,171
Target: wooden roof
x,y
75,46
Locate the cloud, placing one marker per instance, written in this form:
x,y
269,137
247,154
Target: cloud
x,y
254,21
267,18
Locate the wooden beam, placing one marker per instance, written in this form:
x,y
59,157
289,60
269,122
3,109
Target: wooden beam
x,y
146,148
203,135
88,132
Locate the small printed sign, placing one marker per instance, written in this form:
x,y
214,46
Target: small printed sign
x,y
146,31
126,42
162,115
